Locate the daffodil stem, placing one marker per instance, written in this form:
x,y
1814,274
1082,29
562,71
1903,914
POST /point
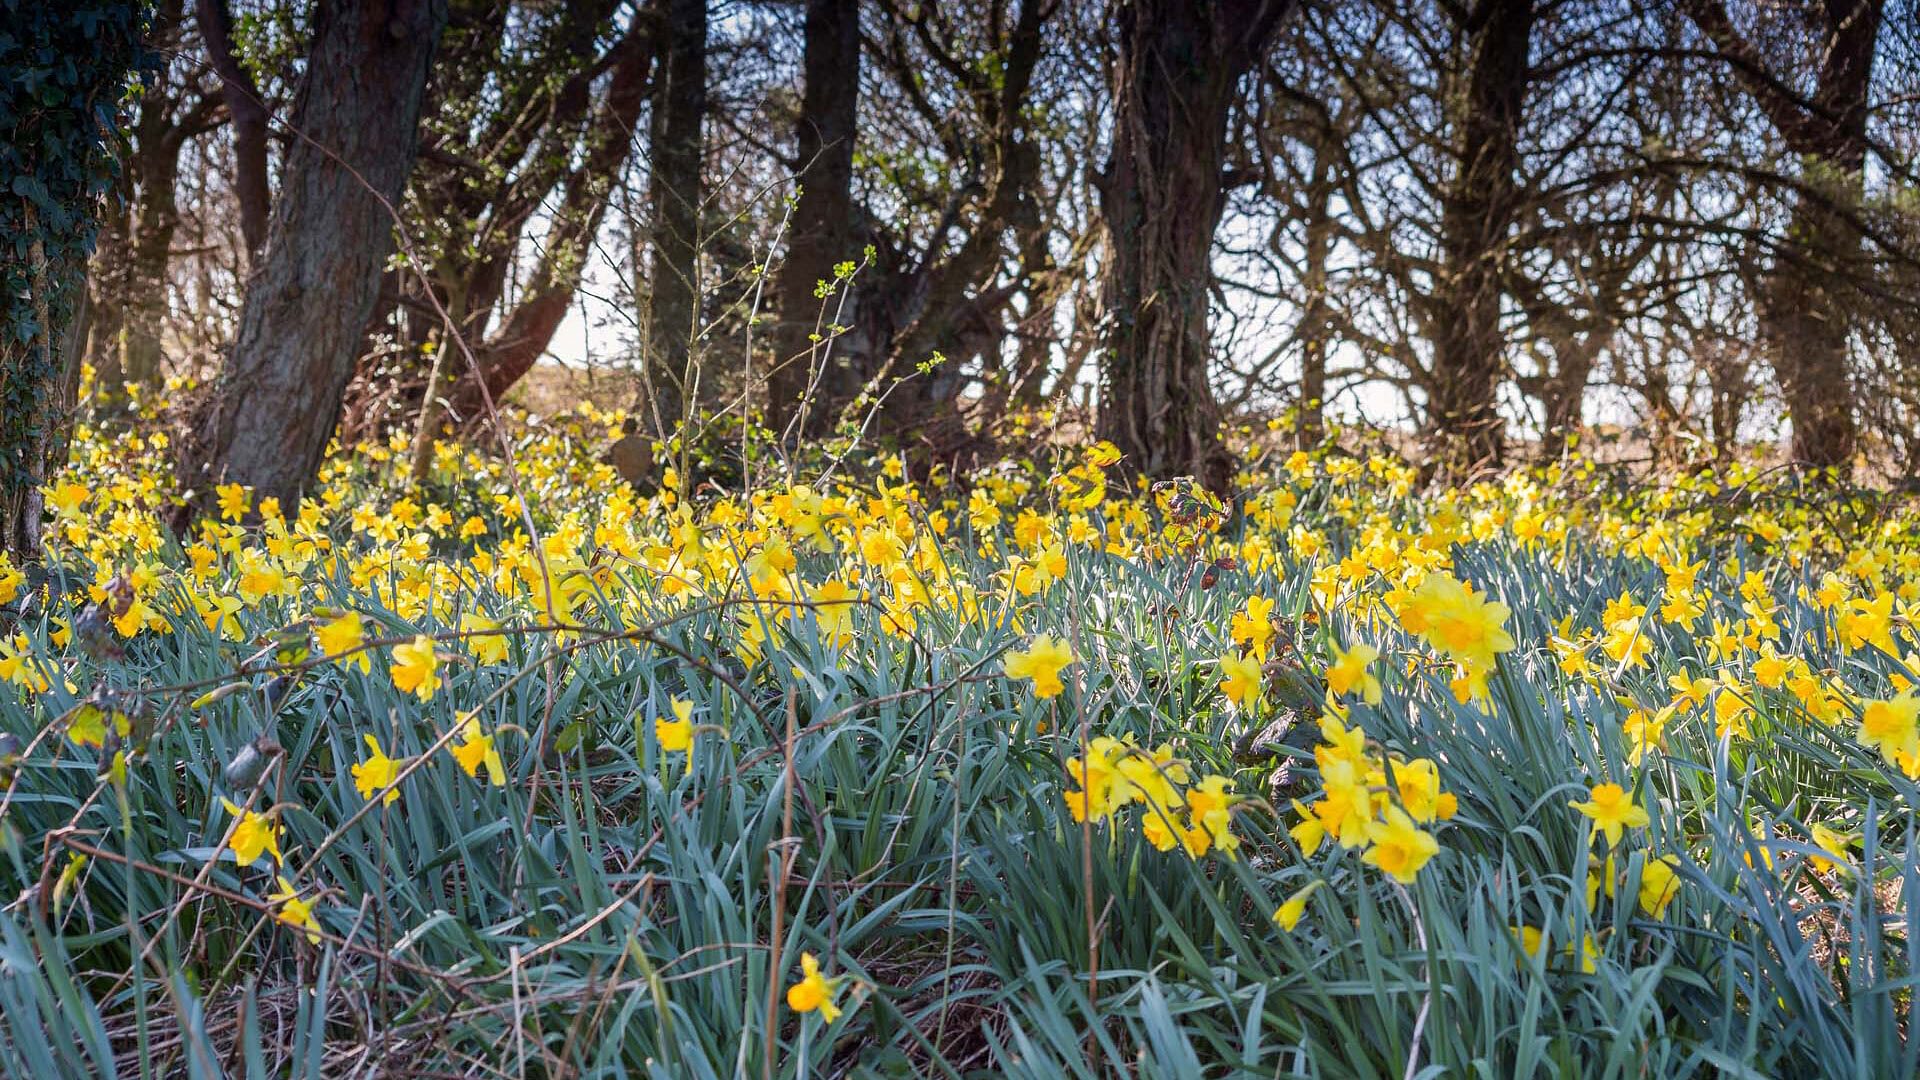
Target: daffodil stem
x,y
783,862
1086,874
1426,1000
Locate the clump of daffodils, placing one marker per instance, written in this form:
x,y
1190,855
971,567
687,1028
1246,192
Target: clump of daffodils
x,y
1612,813
1467,627
1373,802
1177,808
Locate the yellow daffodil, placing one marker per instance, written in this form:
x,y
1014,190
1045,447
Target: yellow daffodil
x,y
1041,661
1612,811
253,835
415,667
814,991
294,911
1659,884
487,648
1349,672
1399,848
1210,816
1892,726
1288,915
475,749
1532,939
833,612
377,772
342,636
675,735
1242,680
1833,843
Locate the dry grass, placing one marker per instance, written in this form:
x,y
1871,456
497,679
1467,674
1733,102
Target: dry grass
x,y
550,388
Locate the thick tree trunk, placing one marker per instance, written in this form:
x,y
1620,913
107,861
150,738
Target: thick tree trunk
x,y
821,233
66,74
1566,389
1476,216
1805,320
1176,78
275,404
249,116
1805,329
35,382
674,193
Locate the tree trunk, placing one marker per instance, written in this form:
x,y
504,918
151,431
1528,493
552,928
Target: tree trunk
x,y
277,399
1565,392
1476,216
130,264
1316,317
674,193
1805,321
249,115
1806,328
1176,78
156,169
66,73
821,233
109,273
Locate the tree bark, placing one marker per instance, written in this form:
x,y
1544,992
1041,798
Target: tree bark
x,y
249,118
155,166
67,71
675,192
1805,322
821,233
277,399
1476,217
109,274
1316,316
1177,77
130,265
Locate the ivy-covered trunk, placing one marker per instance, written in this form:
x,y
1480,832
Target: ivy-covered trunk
x,y
66,68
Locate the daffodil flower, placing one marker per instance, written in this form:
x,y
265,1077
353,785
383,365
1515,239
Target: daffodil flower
x,y
253,835
415,666
475,749
814,992
294,911
1612,811
1042,662
377,772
